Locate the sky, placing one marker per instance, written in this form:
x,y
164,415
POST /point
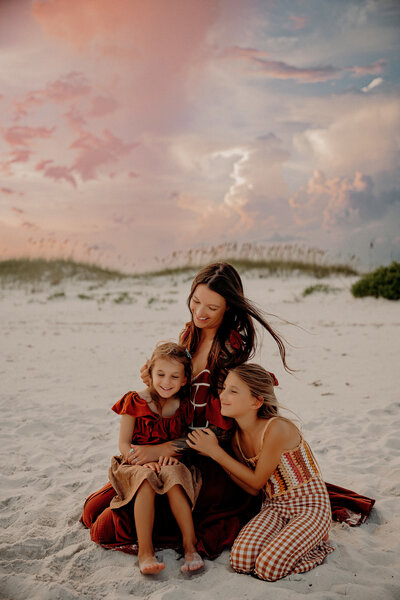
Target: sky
x,y
132,129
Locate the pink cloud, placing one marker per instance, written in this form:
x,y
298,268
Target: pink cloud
x,y
95,152
69,87
16,156
133,175
298,22
60,173
374,68
17,210
103,105
23,135
43,164
75,119
29,225
155,46
337,201
8,191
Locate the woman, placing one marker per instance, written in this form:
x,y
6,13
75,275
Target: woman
x,y
220,336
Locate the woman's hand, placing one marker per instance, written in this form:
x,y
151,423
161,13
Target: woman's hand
x,y
204,441
140,455
144,374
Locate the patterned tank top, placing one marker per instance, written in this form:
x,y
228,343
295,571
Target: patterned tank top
x,y
295,468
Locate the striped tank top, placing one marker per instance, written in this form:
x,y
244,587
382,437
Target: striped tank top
x,y
295,468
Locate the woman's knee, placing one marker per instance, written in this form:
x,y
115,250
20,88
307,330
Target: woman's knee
x,y
103,529
96,503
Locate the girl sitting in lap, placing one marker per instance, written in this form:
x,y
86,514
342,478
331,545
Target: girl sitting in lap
x,y
157,414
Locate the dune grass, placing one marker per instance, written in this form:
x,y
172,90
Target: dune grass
x,y
26,270
268,260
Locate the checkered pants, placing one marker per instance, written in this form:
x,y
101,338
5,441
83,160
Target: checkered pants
x,y
287,535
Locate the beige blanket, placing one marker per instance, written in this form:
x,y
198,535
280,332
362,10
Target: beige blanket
x,y
126,480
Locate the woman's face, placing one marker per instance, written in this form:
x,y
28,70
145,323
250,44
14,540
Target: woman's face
x,y
207,307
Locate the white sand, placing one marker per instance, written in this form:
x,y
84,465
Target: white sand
x,y
67,360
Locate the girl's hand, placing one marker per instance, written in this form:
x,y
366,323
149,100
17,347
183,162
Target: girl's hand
x,y
149,453
144,374
167,460
204,441
154,466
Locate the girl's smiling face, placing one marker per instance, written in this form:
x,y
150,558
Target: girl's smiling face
x,y
207,307
236,398
168,376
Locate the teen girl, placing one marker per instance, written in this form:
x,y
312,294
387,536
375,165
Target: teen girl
x,y
289,533
156,415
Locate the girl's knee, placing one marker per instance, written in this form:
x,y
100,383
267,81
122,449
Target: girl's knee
x,y
241,558
270,567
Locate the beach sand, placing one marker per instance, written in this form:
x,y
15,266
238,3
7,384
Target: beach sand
x,y
67,359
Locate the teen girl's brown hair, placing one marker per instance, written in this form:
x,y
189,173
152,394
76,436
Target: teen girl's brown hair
x,y
226,353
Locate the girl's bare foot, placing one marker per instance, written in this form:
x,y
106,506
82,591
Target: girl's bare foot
x,y
193,562
150,565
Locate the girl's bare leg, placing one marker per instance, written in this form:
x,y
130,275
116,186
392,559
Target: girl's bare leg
x,y
182,512
144,521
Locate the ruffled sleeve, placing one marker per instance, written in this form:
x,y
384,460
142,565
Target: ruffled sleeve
x,y
132,404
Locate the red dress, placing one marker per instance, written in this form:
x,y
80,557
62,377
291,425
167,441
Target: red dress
x,y
150,428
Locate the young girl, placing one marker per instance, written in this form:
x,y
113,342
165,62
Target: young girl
x,y
155,415
289,533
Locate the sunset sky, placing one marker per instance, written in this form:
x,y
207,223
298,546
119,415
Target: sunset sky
x,y
130,129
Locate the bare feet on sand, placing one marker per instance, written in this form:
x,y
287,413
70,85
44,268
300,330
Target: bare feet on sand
x,y
150,565
193,562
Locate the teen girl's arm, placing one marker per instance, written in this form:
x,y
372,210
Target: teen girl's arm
x,y
205,442
235,479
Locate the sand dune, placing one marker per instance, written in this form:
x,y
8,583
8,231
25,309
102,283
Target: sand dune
x,y
67,359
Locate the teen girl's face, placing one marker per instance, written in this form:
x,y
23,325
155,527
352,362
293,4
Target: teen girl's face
x,y
207,307
168,376
236,398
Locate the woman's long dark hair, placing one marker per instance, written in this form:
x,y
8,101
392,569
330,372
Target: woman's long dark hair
x,y
235,340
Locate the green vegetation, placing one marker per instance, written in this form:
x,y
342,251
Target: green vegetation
x,y
320,287
56,296
26,270
124,298
384,282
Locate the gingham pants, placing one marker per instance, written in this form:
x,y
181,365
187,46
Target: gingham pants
x,y
287,535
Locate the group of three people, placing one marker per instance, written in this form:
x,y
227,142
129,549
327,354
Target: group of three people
x,y
207,462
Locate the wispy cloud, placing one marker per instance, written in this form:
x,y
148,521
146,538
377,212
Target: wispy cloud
x,y
260,64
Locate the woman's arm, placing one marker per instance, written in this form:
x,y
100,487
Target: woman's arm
x,y
151,452
274,444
